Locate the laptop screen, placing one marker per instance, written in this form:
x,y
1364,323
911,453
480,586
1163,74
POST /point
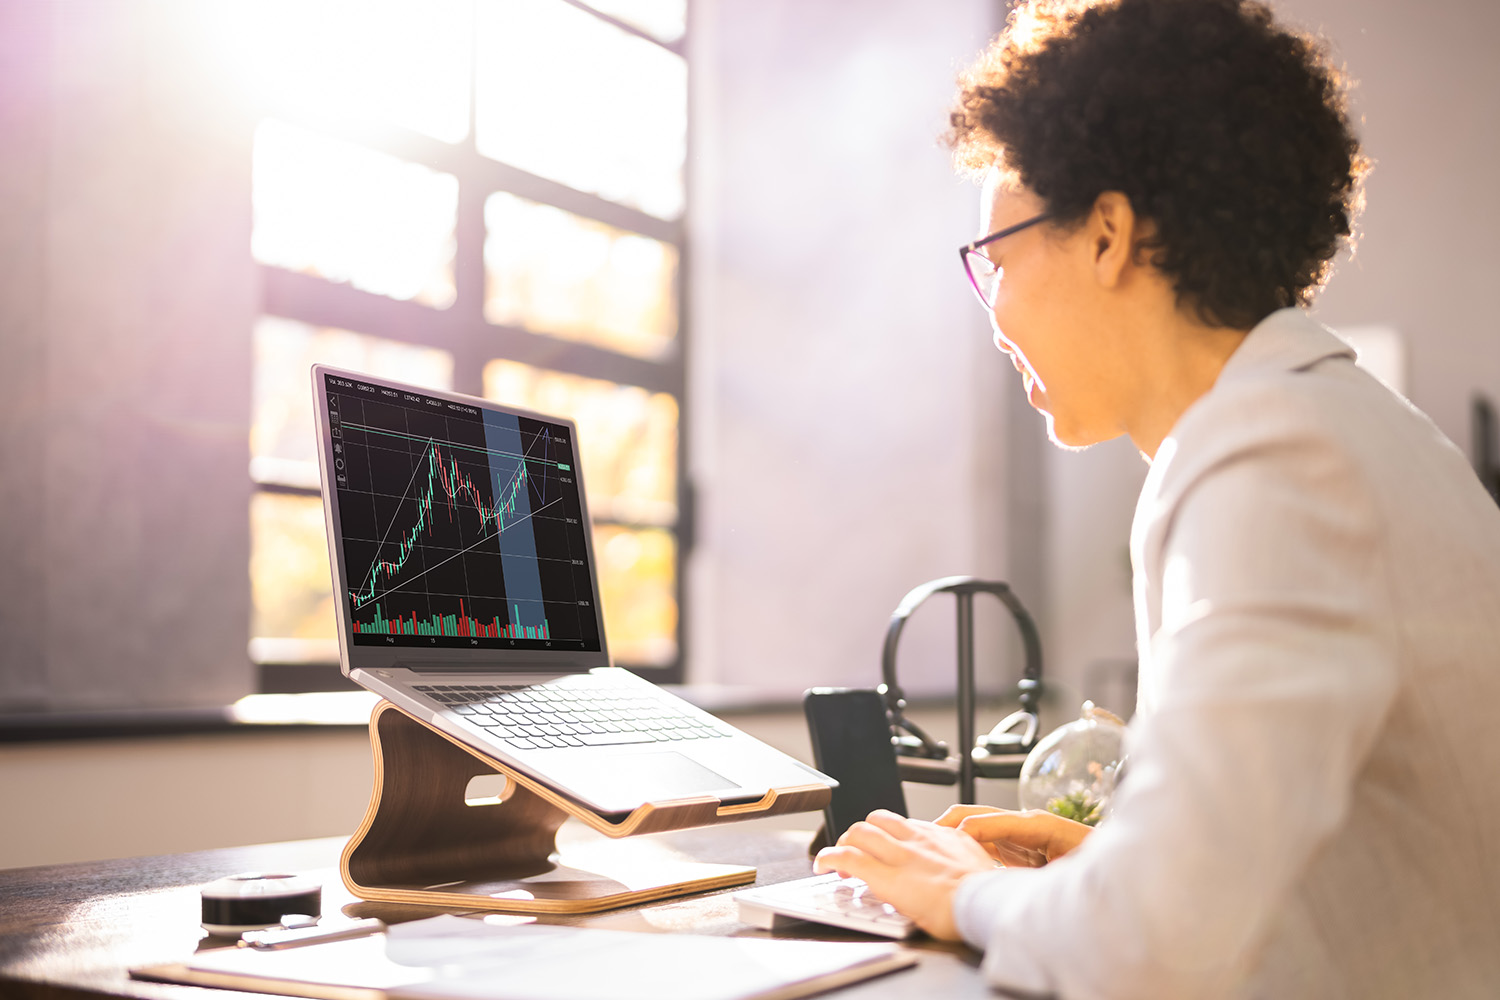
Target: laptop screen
x,y
459,524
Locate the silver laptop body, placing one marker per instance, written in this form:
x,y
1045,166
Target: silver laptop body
x,y
466,594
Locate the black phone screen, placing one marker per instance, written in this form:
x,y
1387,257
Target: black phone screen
x,y
851,742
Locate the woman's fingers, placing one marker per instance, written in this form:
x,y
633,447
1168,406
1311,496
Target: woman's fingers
x,y
896,825
957,814
1012,856
868,848
1034,831
887,840
913,865
849,862
868,839
1021,829
881,829
1012,838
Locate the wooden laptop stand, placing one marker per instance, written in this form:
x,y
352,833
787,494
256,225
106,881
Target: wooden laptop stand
x,y
422,842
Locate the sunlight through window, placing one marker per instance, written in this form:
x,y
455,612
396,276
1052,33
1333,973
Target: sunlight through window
x,y
627,436
554,272
389,61
665,19
574,99
291,586
283,442
338,211
637,581
352,184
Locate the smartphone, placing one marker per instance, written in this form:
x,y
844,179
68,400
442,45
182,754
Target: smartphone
x,y
851,742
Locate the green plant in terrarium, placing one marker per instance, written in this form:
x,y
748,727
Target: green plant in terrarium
x,y
1073,770
1078,806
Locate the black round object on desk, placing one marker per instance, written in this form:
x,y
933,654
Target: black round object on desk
x,y
253,900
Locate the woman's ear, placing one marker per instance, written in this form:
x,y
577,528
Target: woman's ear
x,y
1112,237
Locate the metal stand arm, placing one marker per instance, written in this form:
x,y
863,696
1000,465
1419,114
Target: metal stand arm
x,y
910,741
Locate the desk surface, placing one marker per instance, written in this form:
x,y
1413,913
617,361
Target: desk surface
x,y
74,930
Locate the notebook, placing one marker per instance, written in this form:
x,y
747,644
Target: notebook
x,y
459,958
467,594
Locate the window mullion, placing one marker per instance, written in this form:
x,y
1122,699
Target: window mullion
x,y
462,333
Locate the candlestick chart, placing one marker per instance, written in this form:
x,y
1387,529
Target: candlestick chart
x,y
459,526
457,487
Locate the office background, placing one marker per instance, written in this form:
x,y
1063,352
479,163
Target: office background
x,y
846,429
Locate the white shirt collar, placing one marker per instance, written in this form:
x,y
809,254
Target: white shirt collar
x,y
1286,340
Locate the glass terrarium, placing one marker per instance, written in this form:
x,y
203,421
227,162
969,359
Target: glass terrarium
x,y
1073,770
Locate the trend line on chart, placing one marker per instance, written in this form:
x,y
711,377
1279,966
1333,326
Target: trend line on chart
x,y
443,472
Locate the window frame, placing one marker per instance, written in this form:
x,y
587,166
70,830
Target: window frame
x,y
462,329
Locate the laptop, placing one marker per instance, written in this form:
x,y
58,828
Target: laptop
x,y
467,594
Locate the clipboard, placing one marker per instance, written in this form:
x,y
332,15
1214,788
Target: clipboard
x,y
462,958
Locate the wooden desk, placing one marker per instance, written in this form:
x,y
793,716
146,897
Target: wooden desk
x,y
73,930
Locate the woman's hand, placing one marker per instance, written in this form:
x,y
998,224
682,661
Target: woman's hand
x,y
1027,839
912,864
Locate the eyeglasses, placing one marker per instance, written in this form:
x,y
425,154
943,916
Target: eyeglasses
x,y
984,276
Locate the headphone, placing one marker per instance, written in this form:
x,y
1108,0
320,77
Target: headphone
x,y
1000,752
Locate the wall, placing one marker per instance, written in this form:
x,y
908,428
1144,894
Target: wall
x,y
849,413
813,212
94,799
91,800
126,297
1427,101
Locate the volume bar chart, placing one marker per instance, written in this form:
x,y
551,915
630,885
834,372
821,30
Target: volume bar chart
x,y
454,626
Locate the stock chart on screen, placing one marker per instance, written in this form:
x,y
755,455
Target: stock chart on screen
x,y
460,526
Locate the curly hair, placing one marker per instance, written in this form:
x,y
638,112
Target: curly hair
x,y
1229,132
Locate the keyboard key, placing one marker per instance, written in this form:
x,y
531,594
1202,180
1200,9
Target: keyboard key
x,y
608,739
581,708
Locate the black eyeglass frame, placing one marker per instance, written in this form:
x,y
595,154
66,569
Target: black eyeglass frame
x,y
970,250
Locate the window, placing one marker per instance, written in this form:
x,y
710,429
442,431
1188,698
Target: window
x,y
485,196
553,272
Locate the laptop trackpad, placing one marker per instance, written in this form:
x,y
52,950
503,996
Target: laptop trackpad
x,y
642,777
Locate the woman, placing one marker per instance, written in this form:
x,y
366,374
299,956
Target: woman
x,y
1313,795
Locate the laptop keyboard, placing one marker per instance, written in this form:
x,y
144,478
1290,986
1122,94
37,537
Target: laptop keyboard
x,y
571,713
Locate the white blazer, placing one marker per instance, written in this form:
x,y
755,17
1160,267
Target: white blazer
x,y
1312,807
